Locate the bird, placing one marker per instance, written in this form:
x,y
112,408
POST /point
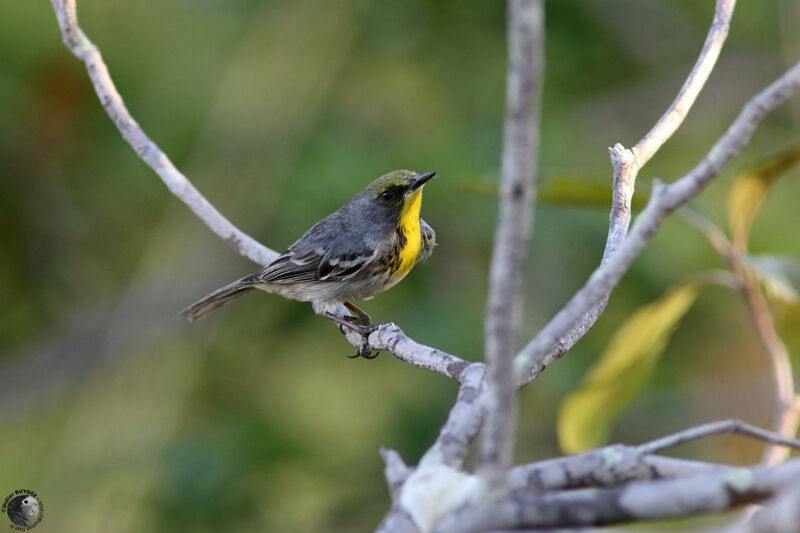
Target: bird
x,y
362,249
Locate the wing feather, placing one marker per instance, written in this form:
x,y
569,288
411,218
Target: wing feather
x,y
335,248
308,267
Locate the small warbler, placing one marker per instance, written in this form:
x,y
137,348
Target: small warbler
x,y
363,248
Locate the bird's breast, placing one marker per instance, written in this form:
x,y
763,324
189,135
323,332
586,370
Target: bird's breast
x,y
407,235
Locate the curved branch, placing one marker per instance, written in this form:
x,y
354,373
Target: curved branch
x,y
671,120
145,148
538,354
627,163
388,337
736,427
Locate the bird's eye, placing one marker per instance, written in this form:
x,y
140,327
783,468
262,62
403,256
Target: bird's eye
x,y
387,194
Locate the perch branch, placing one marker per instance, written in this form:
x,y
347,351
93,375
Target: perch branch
x,y
389,337
517,190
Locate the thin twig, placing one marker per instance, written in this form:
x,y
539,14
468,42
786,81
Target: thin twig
x,y
736,427
517,190
787,415
537,355
672,119
145,148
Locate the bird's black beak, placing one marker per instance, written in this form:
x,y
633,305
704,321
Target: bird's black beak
x,y
420,179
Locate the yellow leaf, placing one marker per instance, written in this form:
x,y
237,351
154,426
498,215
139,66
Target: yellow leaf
x,y
749,191
780,275
586,415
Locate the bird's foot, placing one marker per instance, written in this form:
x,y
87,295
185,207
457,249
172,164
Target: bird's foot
x,y
365,351
364,327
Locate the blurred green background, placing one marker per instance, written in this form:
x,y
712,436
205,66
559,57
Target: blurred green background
x,y
279,111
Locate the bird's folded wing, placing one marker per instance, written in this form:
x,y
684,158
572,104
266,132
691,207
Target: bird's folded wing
x,y
298,266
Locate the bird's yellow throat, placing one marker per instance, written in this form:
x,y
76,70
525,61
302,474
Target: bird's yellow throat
x,y
409,225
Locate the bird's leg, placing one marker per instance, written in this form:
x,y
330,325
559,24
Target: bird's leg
x,y
363,318
362,329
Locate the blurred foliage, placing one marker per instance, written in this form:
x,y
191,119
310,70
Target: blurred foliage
x,y
279,111
749,191
622,372
780,275
563,190
586,415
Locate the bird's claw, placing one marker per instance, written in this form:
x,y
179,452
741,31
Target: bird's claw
x,y
366,352
364,328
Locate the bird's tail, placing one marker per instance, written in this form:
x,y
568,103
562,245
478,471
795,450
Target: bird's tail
x,y
218,298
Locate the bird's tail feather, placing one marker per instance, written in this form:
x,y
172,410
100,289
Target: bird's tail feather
x,y
216,299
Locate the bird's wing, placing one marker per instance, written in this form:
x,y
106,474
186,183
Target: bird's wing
x,y
319,255
428,240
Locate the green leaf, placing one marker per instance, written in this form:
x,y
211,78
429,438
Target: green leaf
x,y
564,190
780,275
586,415
571,191
749,191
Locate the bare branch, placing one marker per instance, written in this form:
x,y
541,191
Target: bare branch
x,y
673,118
609,466
517,190
145,148
395,470
463,422
537,355
709,230
780,515
787,417
618,463
717,428
626,165
389,337
650,500
397,521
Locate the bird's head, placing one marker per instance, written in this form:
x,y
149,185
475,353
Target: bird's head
x,y
396,189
